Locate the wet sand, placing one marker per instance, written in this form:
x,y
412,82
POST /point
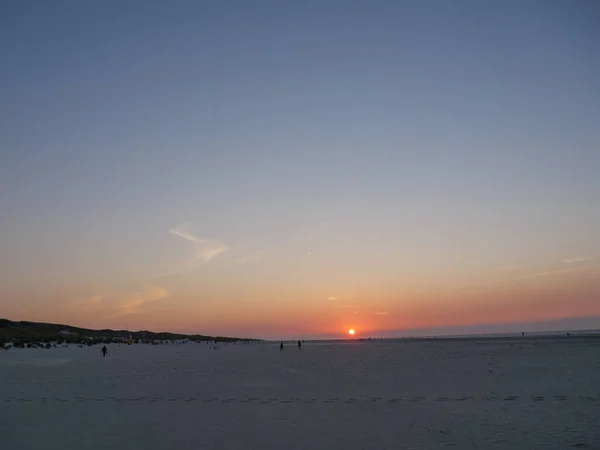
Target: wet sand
x,y
463,394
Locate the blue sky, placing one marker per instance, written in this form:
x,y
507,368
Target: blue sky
x,y
408,144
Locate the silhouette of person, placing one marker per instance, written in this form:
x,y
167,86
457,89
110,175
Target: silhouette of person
x,y
104,350
281,346
299,345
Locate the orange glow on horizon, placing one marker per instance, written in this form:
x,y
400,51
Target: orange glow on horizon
x,y
171,308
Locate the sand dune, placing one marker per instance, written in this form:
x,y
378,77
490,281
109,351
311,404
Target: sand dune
x,y
356,395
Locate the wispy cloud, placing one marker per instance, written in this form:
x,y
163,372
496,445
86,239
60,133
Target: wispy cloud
x,y
548,273
381,313
112,305
332,298
249,257
578,259
204,249
183,231
133,304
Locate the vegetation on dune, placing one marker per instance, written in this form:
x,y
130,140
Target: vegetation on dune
x,y
34,334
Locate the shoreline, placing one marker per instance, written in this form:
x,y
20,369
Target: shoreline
x,y
587,337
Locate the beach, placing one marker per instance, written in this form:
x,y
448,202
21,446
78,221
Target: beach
x,y
407,394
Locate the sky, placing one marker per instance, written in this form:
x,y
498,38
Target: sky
x,y
293,169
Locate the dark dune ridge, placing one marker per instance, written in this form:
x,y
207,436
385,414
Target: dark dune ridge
x,y
22,333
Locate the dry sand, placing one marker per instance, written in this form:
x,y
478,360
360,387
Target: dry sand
x,y
516,394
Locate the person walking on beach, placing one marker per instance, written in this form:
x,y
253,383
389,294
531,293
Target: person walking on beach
x,y
104,350
299,345
281,346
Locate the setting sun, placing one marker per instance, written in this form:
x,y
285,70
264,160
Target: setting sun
x,y
351,332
